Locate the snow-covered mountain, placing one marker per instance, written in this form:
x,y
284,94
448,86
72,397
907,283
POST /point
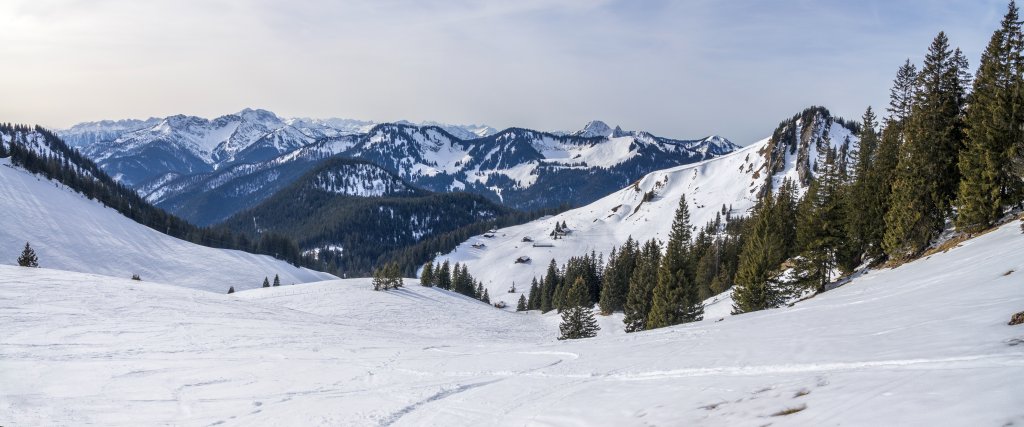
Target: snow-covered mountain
x,y
139,152
71,232
207,170
644,209
923,344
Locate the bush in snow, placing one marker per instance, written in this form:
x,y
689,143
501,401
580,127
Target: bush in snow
x,y
136,277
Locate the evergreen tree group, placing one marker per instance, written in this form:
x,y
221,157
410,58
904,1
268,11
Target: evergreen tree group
x,y
385,277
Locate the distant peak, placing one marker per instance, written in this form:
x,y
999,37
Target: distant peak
x,y
595,128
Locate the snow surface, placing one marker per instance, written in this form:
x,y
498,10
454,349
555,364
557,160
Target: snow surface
x,y
924,344
70,232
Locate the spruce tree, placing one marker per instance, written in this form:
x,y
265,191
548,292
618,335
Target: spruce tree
x,y
756,286
266,282
427,276
444,277
676,298
231,290
641,287
550,288
821,230
616,277
578,318
485,297
927,176
277,280
28,257
864,222
994,122
533,303
521,306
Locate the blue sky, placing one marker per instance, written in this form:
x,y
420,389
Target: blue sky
x,y
677,68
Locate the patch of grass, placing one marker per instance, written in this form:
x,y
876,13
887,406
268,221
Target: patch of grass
x,y
789,411
1008,273
803,392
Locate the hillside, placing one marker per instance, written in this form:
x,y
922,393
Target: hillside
x,y
644,209
350,212
924,344
71,232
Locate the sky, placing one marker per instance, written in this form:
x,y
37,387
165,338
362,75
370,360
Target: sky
x,y
682,69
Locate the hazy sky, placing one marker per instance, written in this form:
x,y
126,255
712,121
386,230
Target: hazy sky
x,y
676,68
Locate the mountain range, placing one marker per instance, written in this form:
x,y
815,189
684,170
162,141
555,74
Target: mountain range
x,y
207,170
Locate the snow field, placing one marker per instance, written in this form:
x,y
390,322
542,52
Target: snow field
x,y
923,344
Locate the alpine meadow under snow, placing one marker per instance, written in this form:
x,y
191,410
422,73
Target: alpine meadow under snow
x,y
923,344
257,270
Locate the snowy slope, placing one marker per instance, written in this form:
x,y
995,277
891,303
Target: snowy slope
x,y
643,210
70,232
924,344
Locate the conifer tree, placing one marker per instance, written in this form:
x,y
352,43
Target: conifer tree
x,y
994,123
676,298
616,277
550,288
641,287
864,217
544,304
927,176
756,286
28,257
521,306
533,303
444,277
380,281
427,276
231,290
277,280
266,282
485,297
820,231
479,292
578,318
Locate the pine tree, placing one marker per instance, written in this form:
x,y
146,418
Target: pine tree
x,y
676,298
427,276
534,301
641,287
444,277
616,277
994,123
927,176
231,290
28,257
864,222
266,282
394,275
820,233
756,286
550,285
522,303
277,280
578,318
485,297
479,292
380,282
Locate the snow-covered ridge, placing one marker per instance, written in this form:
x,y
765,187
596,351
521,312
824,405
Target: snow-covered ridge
x,y
358,179
645,208
70,232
